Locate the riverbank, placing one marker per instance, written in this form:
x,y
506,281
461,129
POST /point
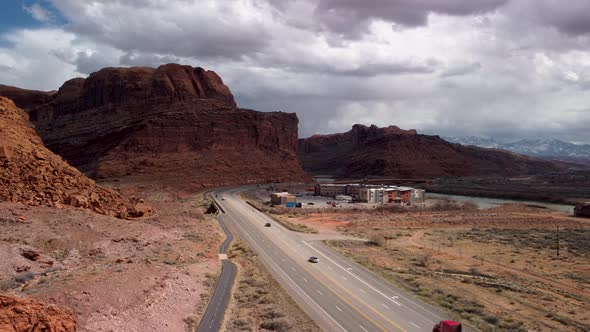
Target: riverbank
x,y
489,202
567,188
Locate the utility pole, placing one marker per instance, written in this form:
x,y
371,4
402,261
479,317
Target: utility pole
x,y
557,227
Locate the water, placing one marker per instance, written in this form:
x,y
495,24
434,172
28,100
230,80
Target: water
x,y
487,202
323,178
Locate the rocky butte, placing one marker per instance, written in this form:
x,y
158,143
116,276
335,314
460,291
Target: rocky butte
x,y
32,175
171,121
393,152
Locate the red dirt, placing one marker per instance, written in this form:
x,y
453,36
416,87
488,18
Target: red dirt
x,y
18,315
114,275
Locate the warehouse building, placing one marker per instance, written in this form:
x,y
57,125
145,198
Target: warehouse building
x,y
282,198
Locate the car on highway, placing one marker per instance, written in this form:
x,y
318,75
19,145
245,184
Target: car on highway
x,y
267,224
223,198
447,326
313,259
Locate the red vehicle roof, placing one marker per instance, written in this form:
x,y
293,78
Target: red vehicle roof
x,y
450,323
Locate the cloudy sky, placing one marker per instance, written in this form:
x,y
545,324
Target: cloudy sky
x,y
500,68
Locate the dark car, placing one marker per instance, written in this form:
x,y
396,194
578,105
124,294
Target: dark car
x,y
267,224
313,259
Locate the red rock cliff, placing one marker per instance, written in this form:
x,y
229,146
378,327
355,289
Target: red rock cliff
x,y
171,121
372,151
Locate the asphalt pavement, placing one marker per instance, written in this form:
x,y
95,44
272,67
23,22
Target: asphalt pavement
x,y
214,314
338,294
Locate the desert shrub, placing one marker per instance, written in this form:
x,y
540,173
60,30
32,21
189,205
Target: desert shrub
x,y
376,239
491,319
272,314
279,324
423,261
24,277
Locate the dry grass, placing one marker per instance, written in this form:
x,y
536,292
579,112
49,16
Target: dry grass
x,y
506,277
259,302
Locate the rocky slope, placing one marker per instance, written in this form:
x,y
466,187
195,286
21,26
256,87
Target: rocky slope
x,y
33,175
372,151
18,315
174,121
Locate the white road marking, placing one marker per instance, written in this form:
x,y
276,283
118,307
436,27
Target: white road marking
x,y
304,279
352,274
338,308
343,277
317,290
415,325
364,329
384,305
408,299
361,272
292,268
362,290
286,275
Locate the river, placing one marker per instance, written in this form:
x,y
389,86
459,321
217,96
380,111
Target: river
x,y
487,202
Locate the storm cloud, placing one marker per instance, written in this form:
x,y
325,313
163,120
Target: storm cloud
x,y
508,68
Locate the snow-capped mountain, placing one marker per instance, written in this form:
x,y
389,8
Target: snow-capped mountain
x,y
484,142
532,147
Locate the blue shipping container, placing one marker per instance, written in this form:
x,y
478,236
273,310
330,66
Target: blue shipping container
x,y
291,204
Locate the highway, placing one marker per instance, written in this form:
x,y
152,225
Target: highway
x,y
216,308
338,294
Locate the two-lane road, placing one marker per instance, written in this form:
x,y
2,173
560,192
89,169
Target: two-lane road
x,y
337,294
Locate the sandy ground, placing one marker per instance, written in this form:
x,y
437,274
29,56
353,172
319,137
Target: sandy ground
x,y
115,275
497,269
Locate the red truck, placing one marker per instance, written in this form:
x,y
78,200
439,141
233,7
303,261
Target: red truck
x,y
447,326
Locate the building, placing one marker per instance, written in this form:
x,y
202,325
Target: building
x,y
391,195
282,198
582,210
418,196
405,194
329,189
352,190
371,195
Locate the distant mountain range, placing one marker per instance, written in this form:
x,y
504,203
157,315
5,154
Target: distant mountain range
x,y
392,152
542,148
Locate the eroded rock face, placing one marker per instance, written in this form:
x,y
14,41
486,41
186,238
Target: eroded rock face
x,y
17,314
33,175
372,151
26,98
171,121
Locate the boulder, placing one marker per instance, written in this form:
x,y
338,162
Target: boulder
x,y
18,314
